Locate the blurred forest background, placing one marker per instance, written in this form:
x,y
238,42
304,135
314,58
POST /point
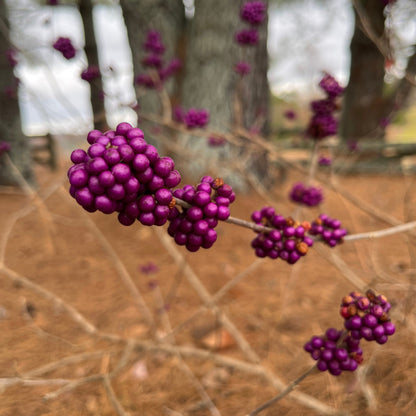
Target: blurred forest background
x,y
367,45
96,317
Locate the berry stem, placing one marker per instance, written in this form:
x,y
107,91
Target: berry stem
x,y
352,237
286,391
381,233
313,163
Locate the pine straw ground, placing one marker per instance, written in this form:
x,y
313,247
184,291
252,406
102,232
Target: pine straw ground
x,y
61,262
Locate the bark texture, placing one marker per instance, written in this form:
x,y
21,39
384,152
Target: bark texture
x,y
364,104
90,48
211,83
10,123
165,16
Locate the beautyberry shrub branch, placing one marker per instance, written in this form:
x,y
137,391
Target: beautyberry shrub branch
x,y
365,317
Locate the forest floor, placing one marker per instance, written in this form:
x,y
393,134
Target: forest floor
x,y
66,286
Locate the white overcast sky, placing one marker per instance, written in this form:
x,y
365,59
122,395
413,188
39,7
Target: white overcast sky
x,y
303,42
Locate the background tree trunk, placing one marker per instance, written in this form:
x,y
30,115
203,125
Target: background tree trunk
x,y
10,123
210,83
363,108
256,88
168,18
96,86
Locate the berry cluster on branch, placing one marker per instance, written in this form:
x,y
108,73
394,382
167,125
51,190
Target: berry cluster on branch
x,y
310,196
65,46
366,317
192,224
121,172
287,240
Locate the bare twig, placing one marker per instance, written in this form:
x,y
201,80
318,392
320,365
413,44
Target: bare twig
x,y
113,398
285,392
56,300
381,233
43,211
73,384
184,367
118,264
243,344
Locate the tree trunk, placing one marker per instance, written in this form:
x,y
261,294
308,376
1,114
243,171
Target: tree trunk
x,y
210,83
364,104
96,86
256,89
168,18
10,124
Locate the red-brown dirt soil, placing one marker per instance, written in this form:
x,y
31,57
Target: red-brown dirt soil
x,y
75,339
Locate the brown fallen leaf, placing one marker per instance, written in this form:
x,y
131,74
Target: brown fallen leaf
x,y
217,339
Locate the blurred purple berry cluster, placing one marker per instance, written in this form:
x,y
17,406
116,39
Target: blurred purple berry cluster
x,y
290,114
195,118
324,161
306,195
365,317
247,37
331,86
216,141
91,73
329,230
194,226
64,45
287,241
253,13
4,147
11,55
242,68
121,173
323,123
153,60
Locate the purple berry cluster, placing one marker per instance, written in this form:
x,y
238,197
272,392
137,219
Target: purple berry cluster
x,y
154,61
367,316
290,114
153,43
64,45
91,73
242,68
193,118
334,351
193,225
121,173
287,240
196,118
247,37
4,147
216,141
306,195
253,12
331,86
11,55
178,114
324,161
329,230
323,123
